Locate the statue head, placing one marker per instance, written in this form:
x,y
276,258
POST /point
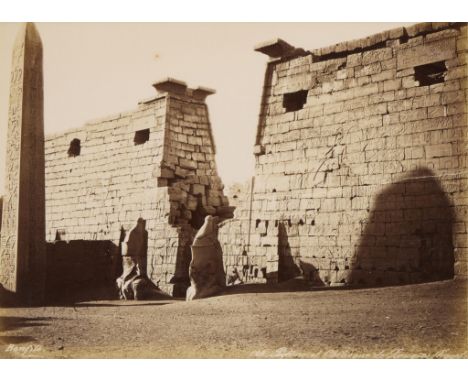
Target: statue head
x,y
209,228
141,224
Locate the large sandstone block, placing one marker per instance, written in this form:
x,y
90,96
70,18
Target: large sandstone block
x,y
427,53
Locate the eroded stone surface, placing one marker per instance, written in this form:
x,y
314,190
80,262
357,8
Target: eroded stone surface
x,y
134,252
134,282
206,270
22,253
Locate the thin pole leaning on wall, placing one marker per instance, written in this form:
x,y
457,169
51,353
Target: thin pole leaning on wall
x,y
252,181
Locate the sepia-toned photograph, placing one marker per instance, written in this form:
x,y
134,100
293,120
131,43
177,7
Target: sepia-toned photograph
x,y
233,190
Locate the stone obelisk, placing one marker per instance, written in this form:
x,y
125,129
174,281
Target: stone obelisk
x,y
22,240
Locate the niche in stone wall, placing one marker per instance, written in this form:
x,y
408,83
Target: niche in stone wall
x,y
141,136
75,148
295,101
429,74
198,216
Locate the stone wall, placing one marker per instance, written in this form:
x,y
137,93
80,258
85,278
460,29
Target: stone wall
x,y
81,270
361,164
155,163
1,212
240,235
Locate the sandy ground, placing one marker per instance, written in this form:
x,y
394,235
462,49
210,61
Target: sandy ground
x,y
426,320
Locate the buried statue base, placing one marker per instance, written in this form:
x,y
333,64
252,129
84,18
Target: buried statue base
x,y
206,271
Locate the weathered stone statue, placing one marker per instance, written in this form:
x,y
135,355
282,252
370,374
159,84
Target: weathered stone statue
x,y
134,283
206,270
22,242
233,277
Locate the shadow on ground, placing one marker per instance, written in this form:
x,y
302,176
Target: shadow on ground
x,y
297,284
9,340
17,323
301,285
13,323
99,304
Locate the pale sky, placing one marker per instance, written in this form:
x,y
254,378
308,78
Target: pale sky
x,y
92,70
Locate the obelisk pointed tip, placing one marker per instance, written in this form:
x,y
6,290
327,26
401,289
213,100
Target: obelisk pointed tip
x,y
32,33
28,32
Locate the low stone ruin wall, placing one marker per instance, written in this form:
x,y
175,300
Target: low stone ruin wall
x,y
81,270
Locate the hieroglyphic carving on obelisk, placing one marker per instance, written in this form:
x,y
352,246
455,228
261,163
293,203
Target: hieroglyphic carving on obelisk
x,y
22,240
